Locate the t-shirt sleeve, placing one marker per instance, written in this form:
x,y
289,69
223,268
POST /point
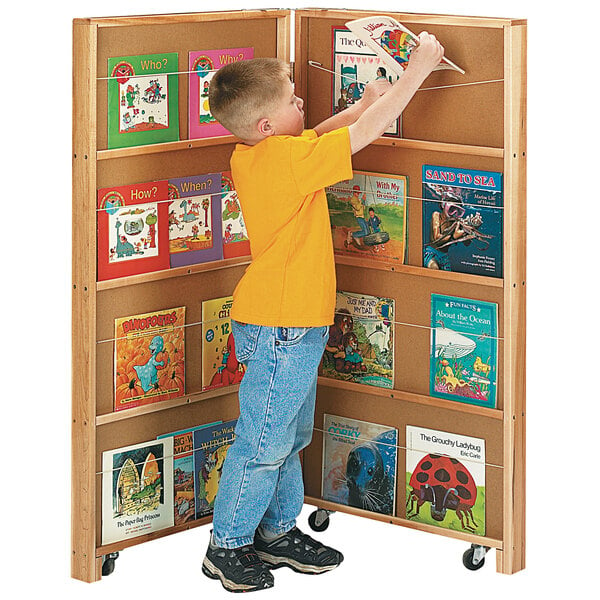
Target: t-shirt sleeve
x,y
319,161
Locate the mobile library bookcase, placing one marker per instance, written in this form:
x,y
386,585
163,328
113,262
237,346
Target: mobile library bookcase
x,y
477,120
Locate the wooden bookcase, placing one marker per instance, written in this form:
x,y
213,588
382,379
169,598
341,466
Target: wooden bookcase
x,y
478,126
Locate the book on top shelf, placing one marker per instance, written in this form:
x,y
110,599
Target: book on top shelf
x,y
149,358
203,65
462,220
195,219
464,350
133,230
235,236
143,100
368,216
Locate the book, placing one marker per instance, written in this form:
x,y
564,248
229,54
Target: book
x,y
391,41
133,231
360,347
137,490
355,65
195,219
359,464
184,497
367,215
210,449
235,236
149,358
462,220
463,363
445,479
220,367
143,100
203,66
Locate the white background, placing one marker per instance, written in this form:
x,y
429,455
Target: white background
x,y
563,398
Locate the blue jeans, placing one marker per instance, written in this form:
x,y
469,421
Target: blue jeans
x,y
261,482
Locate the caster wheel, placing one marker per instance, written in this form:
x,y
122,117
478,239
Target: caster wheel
x,y
108,565
317,521
471,561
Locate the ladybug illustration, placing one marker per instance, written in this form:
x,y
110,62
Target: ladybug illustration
x,y
447,484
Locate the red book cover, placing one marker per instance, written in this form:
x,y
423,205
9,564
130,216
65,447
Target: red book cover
x,y
133,229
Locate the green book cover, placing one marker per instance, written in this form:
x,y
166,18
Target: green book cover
x,y
143,100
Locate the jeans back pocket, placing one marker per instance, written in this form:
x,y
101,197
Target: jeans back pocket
x,y
245,336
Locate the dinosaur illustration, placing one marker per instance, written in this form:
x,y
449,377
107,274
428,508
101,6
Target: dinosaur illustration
x,y
124,248
148,373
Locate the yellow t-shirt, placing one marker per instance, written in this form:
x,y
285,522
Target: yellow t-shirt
x,y
280,181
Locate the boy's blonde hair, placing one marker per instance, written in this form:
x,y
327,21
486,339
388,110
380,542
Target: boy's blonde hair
x,y
241,93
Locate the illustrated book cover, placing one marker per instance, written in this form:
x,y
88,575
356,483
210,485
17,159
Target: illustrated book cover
x,y
133,232
143,100
464,350
235,236
462,220
210,449
137,490
359,464
203,65
368,216
195,219
445,479
149,358
220,367
360,347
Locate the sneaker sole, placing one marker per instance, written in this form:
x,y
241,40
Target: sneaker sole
x,y
275,562
213,572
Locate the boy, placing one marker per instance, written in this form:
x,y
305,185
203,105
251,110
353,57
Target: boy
x,y
284,303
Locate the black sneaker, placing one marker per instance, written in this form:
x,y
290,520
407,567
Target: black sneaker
x,y
298,551
240,569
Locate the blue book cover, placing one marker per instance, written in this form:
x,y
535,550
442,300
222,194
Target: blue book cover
x,y
464,350
462,220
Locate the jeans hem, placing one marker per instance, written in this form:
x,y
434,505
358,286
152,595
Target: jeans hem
x,y
278,530
232,544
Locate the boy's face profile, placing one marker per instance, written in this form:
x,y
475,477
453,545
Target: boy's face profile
x,y
286,117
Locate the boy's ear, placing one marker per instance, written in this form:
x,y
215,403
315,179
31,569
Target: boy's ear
x,y
264,127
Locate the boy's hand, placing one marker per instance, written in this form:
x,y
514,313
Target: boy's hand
x,y
426,56
374,90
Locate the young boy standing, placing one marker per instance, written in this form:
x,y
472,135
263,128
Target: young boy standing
x,y
285,302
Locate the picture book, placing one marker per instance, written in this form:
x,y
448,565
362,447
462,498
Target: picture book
x,y
133,232
367,215
354,65
137,490
203,65
210,449
235,236
360,347
445,479
391,41
143,100
184,497
462,220
464,350
359,464
220,367
149,358
195,219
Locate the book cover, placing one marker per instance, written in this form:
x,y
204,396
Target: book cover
x,y
354,65
367,215
445,479
203,66
359,464
360,347
235,236
137,490
133,233
195,219
220,367
464,350
462,220
210,449
391,41
149,358
143,100
184,497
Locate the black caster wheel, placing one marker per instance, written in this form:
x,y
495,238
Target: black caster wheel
x,y
108,564
319,520
474,557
